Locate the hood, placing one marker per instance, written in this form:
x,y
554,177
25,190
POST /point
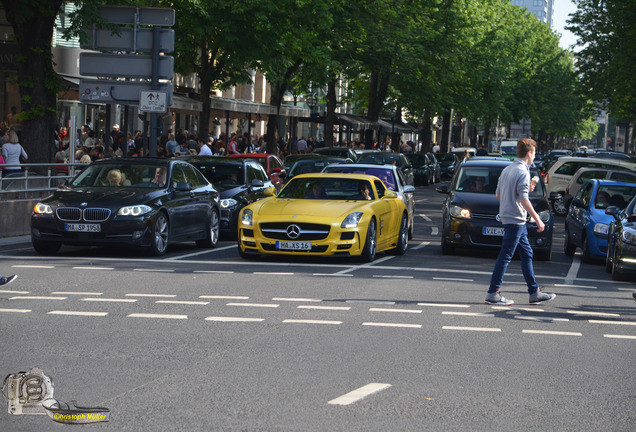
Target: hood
x,y
103,196
306,207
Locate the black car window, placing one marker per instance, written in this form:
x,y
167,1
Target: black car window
x,y
587,194
321,188
380,187
262,173
585,176
116,175
614,195
192,177
478,179
178,176
623,177
568,168
579,194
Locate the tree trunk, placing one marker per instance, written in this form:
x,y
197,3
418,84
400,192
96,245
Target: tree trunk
x,y
38,82
486,138
271,137
331,112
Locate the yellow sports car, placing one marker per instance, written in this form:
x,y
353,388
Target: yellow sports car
x,y
326,214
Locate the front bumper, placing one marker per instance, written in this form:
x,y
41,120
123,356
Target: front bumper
x,y
626,257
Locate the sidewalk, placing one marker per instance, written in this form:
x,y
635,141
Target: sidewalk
x,y
6,241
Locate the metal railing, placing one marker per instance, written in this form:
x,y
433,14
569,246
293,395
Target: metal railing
x,y
35,180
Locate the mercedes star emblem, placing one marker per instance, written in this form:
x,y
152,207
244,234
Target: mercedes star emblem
x,y
293,231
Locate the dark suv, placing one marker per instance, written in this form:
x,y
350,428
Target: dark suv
x,y
471,210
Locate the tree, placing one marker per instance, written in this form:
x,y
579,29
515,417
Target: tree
x,y
32,22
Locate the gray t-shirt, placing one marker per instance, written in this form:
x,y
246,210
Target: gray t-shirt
x,y
513,186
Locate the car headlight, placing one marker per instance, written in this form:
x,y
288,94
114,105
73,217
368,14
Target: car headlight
x,y
543,215
601,228
41,208
457,211
228,203
247,218
136,210
629,236
352,220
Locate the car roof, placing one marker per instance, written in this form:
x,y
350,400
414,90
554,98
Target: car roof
x,y
336,176
616,162
605,182
220,160
486,161
364,165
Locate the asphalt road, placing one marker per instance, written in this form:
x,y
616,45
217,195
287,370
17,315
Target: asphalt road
x,y
204,340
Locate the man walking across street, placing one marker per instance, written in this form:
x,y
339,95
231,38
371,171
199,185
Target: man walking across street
x,y
514,205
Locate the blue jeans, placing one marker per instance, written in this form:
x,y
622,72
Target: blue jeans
x,y
514,236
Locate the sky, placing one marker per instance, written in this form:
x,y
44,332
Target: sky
x,y
562,8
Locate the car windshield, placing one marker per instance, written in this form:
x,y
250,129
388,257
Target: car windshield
x,y
445,158
324,188
614,195
309,166
480,179
509,150
122,175
384,174
417,159
381,158
222,176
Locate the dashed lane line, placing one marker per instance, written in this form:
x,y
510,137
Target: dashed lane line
x,y
166,316
359,394
426,218
575,286
214,271
574,270
392,277
333,274
421,245
222,297
434,230
451,305
537,318
453,279
36,298
16,310
14,292
76,293
516,308
551,332
296,299
335,308
93,268
33,266
482,329
412,311
257,305
473,314
78,313
354,268
273,273
613,336
155,270
183,302
108,300
203,252
151,295
590,313
307,321
399,325
629,323
233,319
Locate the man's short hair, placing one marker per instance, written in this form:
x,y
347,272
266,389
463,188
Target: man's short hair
x,y
524,146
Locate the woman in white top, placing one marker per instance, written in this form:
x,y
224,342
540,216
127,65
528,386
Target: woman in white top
x,y
12,151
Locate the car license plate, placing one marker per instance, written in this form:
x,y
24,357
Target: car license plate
x,y
493,231
285,245
83,227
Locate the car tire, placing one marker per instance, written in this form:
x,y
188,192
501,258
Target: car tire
x,y
213,231
402,242
559,208
447,248
608,260
46,248
617,275
587,257
568,248
370,243
160,235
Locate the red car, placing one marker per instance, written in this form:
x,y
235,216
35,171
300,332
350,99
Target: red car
x,y
272,165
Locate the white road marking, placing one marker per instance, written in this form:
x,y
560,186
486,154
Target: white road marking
x,y
34,266
359,394
421,245
220,297
392,277
203,252
296,299
387,302
214,271
414,311
575,286
474,314
426,218
16,310
613,336
515,308
605,314
302,321
233,319
551,332
14,292
112,300
150,295
76,293
381,324
631,323
182,302
93,268
155,270
444,305
144,315
625,289
574,269
339,308
453,279
434,230
371,264
37,298
274,273
77,313
534,318
333,274
262,305
484,329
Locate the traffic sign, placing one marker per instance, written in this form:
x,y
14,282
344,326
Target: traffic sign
x,y
147,15
105,40
153,101
122,92
124,65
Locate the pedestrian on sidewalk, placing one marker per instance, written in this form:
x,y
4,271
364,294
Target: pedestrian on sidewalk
x,y
7,280
514,205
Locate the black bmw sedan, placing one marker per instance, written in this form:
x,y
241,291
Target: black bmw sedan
x,y
620,259
143,202
471,210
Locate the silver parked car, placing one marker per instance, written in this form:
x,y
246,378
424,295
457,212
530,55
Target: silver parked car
x,y
390,175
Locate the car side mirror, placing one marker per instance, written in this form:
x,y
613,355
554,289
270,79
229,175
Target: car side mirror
x,y
612,210
390,194
442,189
409,189
276,170
257,183
578,203
182,187
270,191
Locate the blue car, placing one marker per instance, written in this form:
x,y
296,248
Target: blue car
x,y
587,224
